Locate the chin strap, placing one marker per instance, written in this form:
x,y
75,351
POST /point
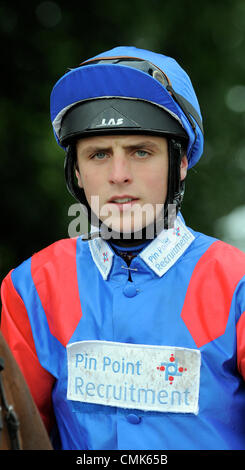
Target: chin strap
x,y
176,187
69,167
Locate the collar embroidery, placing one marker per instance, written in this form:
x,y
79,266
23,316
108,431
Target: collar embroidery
x,y
159,255
167,248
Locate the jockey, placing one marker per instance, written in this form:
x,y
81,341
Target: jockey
x,y
131,336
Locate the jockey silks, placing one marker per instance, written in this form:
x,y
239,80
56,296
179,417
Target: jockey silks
x,y
150,361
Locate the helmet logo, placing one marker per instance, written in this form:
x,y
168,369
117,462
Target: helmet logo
x,y
111,122
111,117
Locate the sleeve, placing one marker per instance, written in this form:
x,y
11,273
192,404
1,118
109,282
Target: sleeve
x,y
16,329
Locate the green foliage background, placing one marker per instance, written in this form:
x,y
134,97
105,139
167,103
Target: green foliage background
x,y
40,40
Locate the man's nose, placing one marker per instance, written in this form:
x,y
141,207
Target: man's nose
x,y
120,170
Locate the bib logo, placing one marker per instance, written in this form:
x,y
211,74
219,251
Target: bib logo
x,y
171,369
143,377
111,122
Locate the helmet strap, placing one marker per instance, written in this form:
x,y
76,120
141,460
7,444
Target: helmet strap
x,y
176,187
69,166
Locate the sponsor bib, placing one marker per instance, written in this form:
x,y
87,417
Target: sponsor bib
x,y
149,378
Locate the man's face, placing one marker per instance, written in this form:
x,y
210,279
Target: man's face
x,y
124,178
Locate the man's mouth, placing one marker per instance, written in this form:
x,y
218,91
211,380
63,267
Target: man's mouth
x,y
122,199
123,203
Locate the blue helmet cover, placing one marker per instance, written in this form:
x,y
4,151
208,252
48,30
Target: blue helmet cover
x,y
114,80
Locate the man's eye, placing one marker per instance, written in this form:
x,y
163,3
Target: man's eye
x,y
141,153
99,155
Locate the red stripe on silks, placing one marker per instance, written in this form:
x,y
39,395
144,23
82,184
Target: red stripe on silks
x,y
54,274
14,319
16,329
208,299
241,344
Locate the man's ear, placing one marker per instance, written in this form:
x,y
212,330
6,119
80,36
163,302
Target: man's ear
x,y
183,167
78,176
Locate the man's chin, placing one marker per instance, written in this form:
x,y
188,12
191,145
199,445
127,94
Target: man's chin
x,y
135,231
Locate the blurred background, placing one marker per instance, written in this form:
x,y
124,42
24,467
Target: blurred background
x,y
41,39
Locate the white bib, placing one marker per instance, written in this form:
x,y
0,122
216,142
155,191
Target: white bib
x,y
149,378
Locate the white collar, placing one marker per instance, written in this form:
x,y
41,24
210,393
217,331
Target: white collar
x,y
159,255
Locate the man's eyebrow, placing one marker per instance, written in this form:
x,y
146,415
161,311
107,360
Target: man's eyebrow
x,y
95,148
140,144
